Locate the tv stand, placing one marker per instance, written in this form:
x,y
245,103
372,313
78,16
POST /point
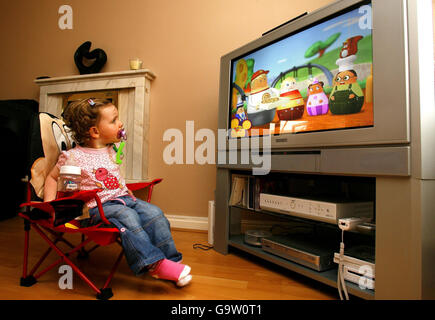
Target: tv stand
x,y
403,213
396,152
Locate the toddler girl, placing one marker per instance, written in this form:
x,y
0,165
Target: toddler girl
x,y
145,231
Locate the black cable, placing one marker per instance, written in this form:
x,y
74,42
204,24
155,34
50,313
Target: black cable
x,y
202,246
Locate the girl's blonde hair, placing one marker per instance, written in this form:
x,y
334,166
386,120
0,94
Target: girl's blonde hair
x,y
81,115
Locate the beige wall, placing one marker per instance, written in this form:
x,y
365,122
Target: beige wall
x,y
181,41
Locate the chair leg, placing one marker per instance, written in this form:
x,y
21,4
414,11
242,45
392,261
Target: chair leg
x,y
32,275
83,254
26,280
106,293
67,260
112,272
82,244
59,236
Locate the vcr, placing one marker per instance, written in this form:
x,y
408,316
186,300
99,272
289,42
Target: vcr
x,y
312,252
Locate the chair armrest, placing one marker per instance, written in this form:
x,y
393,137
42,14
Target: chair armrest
x,y
143,185
83,195
44,206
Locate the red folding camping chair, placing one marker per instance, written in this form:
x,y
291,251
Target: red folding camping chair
x,y
102,234
55,219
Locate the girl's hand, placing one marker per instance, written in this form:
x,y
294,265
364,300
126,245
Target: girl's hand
x,y
131,194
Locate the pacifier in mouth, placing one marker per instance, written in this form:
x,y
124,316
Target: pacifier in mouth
x,y
122,134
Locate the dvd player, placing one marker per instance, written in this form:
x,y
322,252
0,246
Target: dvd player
x,y
312,252
321,210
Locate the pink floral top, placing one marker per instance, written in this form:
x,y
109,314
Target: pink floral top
x,y
99,170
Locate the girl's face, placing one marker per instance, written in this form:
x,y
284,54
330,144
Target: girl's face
x,y
109,124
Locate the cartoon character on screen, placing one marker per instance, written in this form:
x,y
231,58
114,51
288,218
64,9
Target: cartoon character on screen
x,y
241,115
262,100
293,103
240,124
259,87
317,103
346,96
240,81
350,47
52,138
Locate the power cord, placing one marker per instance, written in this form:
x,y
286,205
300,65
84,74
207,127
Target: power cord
x,y
202,246
345,224
341,285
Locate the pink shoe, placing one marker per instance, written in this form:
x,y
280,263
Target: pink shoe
x,y
173,271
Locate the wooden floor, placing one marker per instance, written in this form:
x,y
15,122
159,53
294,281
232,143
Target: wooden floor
x,y
215,276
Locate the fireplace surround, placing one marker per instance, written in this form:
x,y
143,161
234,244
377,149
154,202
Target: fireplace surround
x,y
131,90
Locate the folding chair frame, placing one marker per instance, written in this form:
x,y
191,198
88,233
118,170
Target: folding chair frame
x,y
44,228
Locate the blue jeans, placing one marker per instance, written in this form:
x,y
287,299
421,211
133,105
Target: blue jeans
x,y
145,231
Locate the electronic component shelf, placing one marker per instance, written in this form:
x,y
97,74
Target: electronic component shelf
x,y
328,277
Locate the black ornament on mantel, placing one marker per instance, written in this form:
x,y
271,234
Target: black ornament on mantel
x,y
83,52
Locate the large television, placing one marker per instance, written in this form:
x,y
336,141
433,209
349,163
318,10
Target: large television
x,y
336,77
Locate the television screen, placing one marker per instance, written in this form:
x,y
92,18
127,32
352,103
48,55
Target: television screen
x,y
315,79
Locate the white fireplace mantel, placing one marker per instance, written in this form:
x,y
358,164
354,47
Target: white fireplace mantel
x,y
133,89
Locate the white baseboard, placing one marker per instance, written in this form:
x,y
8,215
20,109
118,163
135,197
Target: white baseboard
x,y
188,222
